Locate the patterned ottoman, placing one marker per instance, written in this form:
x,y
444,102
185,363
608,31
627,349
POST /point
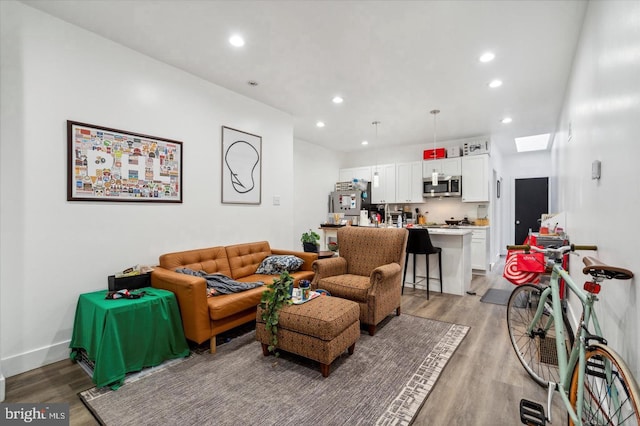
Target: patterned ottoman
x,y
320,329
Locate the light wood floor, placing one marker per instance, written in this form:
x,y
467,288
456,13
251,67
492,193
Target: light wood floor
x,y
482,384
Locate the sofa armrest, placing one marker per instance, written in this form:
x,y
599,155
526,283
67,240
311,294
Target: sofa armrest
x,y
327,268
308,257
382,276
384,272
191,293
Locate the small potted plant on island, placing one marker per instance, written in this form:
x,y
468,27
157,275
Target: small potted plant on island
x,y
310,241
272,300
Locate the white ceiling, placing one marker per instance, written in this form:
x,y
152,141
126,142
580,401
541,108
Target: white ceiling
x,y
392,61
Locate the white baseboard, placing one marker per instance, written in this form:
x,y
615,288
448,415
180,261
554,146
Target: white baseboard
x,y
34,359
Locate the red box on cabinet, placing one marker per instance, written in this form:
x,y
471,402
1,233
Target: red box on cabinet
x,y
432,154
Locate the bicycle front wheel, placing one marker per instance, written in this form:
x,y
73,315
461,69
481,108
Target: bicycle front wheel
x,y
610,393
536,350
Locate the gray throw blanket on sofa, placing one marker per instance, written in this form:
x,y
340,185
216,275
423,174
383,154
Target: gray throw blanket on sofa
x,y
222,284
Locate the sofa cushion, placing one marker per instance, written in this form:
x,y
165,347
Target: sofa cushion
x,y
244,259
348,286
212,260
227,305
268,279
273,265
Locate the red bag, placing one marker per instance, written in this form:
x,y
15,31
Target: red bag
x,y
516,276
530,262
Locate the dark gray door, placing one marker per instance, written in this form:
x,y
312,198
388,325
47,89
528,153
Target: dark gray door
x,y
532,200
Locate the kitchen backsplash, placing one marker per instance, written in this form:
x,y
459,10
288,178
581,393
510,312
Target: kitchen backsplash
x,y
446,208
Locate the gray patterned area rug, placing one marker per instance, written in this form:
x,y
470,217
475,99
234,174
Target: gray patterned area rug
x,y
385,381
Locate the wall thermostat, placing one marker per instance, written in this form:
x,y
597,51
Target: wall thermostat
x,y
595,170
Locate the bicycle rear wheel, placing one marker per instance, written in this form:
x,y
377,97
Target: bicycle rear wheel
x,y
537,350
610,395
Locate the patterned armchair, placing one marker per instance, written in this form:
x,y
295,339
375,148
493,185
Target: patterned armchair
x,y
368,271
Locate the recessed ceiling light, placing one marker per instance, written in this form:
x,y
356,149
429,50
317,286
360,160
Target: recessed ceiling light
x,y
532,143
320,124
337,99
495,83
506,120
236,40
365,143
487,57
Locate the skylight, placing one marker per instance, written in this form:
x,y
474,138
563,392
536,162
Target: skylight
x,y
532,143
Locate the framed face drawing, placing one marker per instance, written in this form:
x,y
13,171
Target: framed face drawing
x,y
241,167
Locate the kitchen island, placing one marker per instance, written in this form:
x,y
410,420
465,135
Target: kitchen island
x,y
456,261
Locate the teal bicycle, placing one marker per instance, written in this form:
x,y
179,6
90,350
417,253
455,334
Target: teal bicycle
x,y
594,382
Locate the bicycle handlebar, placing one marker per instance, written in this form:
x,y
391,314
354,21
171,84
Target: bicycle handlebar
x,y
592,247
519,247
563,249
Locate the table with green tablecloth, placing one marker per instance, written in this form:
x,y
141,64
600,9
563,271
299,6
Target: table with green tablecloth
x,y
126,335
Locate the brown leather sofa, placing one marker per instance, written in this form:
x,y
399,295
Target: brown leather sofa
x,y
368,271
203,318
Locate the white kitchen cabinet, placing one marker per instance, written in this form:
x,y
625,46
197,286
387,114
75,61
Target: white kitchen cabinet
x,y
480,249
409,182
386,191
475,178
347,175
445,166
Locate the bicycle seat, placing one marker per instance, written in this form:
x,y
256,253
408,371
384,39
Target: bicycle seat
x,y
596,268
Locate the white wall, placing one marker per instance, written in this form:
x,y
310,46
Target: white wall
x,y
521,166
602,109
53,250
316,172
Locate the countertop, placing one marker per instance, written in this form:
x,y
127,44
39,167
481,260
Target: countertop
x,y
440,231
449,231
457,230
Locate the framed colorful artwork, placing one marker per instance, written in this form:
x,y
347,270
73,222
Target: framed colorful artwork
x,y
115,165
241,167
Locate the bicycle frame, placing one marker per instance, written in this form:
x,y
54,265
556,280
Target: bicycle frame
x,y
578,351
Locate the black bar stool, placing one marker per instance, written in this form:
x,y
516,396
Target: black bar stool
x,y
419,242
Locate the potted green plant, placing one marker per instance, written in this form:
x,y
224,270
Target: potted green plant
x,y
310,241
277,295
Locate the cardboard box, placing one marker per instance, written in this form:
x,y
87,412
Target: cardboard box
x,y
476,147
431,154
454,151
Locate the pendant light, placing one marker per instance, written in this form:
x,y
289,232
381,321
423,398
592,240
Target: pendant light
x,y
376,175
434,174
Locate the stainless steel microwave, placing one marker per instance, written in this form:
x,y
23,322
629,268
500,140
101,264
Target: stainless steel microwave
x,y
448,186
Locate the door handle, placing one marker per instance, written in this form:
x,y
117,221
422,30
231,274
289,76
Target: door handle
x,y
517,222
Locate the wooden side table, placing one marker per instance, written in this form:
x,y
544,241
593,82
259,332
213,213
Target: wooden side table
x,y
326,254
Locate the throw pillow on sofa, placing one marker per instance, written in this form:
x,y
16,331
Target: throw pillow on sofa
x,y
273,265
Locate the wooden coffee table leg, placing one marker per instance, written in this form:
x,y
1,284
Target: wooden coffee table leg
x,y
325,369
352,348
265,350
